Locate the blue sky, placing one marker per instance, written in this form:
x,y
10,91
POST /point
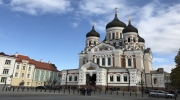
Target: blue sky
x,y
55,30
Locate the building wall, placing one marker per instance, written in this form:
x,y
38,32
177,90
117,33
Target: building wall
x,y
44,77
19,71
6,66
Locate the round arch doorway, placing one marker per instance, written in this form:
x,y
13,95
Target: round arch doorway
x,y
90,80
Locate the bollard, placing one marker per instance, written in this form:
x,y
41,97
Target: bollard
x,y
166,96
158,95
64,91
142,94
149,96
45,90
13,88
99,92
136,94
175,97
6,88
123,93
41,89
117,92
78,91
111,92
94,91
69,91
54,90
105,92
130,93
73,91
59,90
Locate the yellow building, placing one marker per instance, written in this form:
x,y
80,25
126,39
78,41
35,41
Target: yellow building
x,y
29,72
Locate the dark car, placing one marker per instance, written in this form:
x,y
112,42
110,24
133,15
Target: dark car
x,y
48,87
147,91
40,87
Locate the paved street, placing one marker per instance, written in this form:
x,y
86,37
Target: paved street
x,y
32,95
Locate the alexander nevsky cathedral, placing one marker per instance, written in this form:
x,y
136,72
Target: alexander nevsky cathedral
x,y
120,61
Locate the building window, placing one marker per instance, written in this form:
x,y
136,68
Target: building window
x,y
155,80
28,75
111,78
17,67
129,39
70,78
22,75
118,78
95,43
8,62
24,67
37,71
120,35
120,43
29,69
5,71
109,35
97,61
109,61
75,78
3,79
89,43
103,61
16,74
36,78
36,83
27,83
125,78
113,35
129,62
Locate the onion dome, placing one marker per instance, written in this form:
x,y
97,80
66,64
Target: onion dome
x,y
140,39
115,23
92,33
130,28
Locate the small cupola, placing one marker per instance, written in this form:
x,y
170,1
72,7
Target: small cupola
x,y
130,28
93,33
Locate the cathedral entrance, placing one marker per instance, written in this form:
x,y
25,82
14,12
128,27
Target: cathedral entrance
x,y
90,80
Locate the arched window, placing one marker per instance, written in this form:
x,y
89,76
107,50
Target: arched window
x,y
111,78
89,43
70,78
120,43
155,80
118,78
129,39
120,35
109,61
97,61
113,35
95,43
103,61
75,78
125,78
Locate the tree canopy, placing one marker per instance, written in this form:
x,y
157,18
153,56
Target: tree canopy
x,y
175,72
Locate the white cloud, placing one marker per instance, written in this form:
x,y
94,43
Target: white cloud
x,y
167,68
36,7
3,36
75,24
1,2
160,60
158,23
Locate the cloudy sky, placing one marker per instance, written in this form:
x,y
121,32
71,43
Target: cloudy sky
x,y
55,30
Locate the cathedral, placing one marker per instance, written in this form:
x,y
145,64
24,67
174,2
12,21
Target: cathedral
x,y
121,61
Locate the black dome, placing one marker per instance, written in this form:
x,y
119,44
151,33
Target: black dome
x,y
92,33
130,28
140,39
115,23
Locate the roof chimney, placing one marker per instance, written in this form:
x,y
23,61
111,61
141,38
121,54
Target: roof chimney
x,y
16,54
40,60
49,62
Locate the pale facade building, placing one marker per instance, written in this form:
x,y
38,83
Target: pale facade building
x,y
31,73
7,63
120,61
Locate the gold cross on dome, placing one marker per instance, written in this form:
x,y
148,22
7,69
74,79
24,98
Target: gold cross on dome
x,y
92,23
129,18
115,9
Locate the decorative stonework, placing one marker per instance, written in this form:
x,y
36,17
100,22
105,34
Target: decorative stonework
x,y
90,68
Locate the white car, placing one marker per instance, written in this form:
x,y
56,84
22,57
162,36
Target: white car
x,y
159,93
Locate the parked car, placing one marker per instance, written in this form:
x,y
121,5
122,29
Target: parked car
x,y
48,87
159,93
40,87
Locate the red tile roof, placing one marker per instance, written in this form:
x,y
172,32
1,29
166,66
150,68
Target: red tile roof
x,y
38,64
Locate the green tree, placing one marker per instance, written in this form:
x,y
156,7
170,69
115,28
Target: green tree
x,y
175,72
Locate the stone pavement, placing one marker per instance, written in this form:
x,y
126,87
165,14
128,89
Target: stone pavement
x,y
32,95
